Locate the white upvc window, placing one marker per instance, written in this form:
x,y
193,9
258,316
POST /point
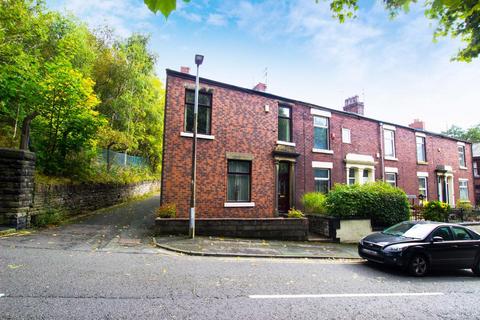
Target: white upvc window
x,y
423,187
352,176
389,142
463,187
391,178
421,149
346,135
321,133
461,156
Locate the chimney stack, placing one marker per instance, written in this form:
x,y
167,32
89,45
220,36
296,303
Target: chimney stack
x,y
260,87
185,70
417,124
353,105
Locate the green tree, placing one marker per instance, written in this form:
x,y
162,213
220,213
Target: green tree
x,y
471,134
455,18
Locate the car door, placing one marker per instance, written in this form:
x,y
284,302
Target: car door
x,y
465,246
441,253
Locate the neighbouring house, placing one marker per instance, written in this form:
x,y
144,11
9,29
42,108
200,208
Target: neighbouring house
x,y
258,153
476,171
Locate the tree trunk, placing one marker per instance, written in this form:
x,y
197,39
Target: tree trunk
x,y
24,139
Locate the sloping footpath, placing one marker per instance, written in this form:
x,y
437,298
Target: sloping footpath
x,y
233,247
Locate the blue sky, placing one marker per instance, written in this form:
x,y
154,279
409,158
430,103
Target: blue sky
x,y
394,66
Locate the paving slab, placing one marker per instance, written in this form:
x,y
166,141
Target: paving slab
x,y
234,247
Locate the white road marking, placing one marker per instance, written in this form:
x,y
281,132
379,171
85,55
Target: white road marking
x,y
343,295
2,295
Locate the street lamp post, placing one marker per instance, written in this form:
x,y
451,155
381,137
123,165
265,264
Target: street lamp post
x,y
191,229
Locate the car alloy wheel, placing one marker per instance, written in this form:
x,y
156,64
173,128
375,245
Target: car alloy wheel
x,y
418,265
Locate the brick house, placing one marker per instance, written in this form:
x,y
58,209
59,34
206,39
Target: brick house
x,y
258,153
476,171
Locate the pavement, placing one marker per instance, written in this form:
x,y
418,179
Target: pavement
x,y
229,247
105,266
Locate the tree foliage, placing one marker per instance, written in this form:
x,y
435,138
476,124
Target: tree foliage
x,y
79,89
471,134
455,18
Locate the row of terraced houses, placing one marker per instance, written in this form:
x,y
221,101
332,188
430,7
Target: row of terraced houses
x,y
258,153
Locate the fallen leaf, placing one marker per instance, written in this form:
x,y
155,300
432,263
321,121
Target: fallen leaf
x,y
15,266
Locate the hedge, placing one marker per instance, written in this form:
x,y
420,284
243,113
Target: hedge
x,y
383,203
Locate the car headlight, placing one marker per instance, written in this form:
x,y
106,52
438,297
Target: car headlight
x,y
396,247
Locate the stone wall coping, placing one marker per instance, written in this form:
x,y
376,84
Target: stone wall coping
x,y
233,219
16,154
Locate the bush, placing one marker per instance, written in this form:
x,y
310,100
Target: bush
x,y
294,213
464,205
314,202
168,210
436,211
50,217
379,201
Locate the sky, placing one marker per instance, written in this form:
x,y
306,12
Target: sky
x,y
394,66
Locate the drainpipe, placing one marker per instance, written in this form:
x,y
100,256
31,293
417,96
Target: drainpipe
x,y
382,158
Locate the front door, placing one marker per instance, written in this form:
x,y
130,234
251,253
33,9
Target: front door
x,y
283,187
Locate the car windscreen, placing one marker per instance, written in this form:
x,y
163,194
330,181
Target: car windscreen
x,y
410,230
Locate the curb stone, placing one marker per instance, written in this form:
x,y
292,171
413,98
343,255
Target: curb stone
x,y
249,255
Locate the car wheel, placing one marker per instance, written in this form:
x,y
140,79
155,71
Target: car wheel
x,y
418,265
476,268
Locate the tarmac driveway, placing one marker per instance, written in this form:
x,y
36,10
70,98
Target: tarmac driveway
x,y
126,228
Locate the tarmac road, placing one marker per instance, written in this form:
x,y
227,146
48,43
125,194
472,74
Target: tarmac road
x,y
99,268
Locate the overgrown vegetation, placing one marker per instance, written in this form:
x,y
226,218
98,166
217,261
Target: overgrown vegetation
x,y
314,203
436,211
77,90
294,213
383,203
50,217
168,210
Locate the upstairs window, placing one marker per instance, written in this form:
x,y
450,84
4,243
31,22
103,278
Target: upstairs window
x,y
421,151
238,184
204,118
476,168
346,135
322,180
284,124
461,156
320,134
389,141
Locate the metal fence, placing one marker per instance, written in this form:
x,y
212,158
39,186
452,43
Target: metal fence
x,y
121,159
456,215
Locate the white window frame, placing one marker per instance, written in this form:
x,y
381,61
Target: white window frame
x,y
389,181
463,153
346,135
355,173
460,187
327,126
425,193
323,179
389,141
424,148
475,169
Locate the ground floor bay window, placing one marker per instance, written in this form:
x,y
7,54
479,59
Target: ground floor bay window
x,y
445,187
359,168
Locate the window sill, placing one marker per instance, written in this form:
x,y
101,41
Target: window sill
x,y
422,162
463,168
390,158
199,135
239,204
322,151
285,143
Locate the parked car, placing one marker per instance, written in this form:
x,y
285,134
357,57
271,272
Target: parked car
x,y
419,246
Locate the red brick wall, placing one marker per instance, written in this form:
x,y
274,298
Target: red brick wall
x,y
240,124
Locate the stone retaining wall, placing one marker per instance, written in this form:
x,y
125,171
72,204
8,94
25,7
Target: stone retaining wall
x,y
17,168
266,228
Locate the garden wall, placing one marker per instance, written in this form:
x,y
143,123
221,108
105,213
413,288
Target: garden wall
x,y
264,228
345,230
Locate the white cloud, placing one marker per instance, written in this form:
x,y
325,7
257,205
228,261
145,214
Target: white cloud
x,y
217,20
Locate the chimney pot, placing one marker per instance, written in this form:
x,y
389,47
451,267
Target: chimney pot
x,y
260,87
185,70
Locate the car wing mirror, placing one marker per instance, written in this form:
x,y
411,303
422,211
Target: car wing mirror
x,y
437,239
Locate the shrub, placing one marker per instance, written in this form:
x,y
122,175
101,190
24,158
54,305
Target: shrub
x,y
48,218
464,205
294,213
384,204
436,211
168,210
314,202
